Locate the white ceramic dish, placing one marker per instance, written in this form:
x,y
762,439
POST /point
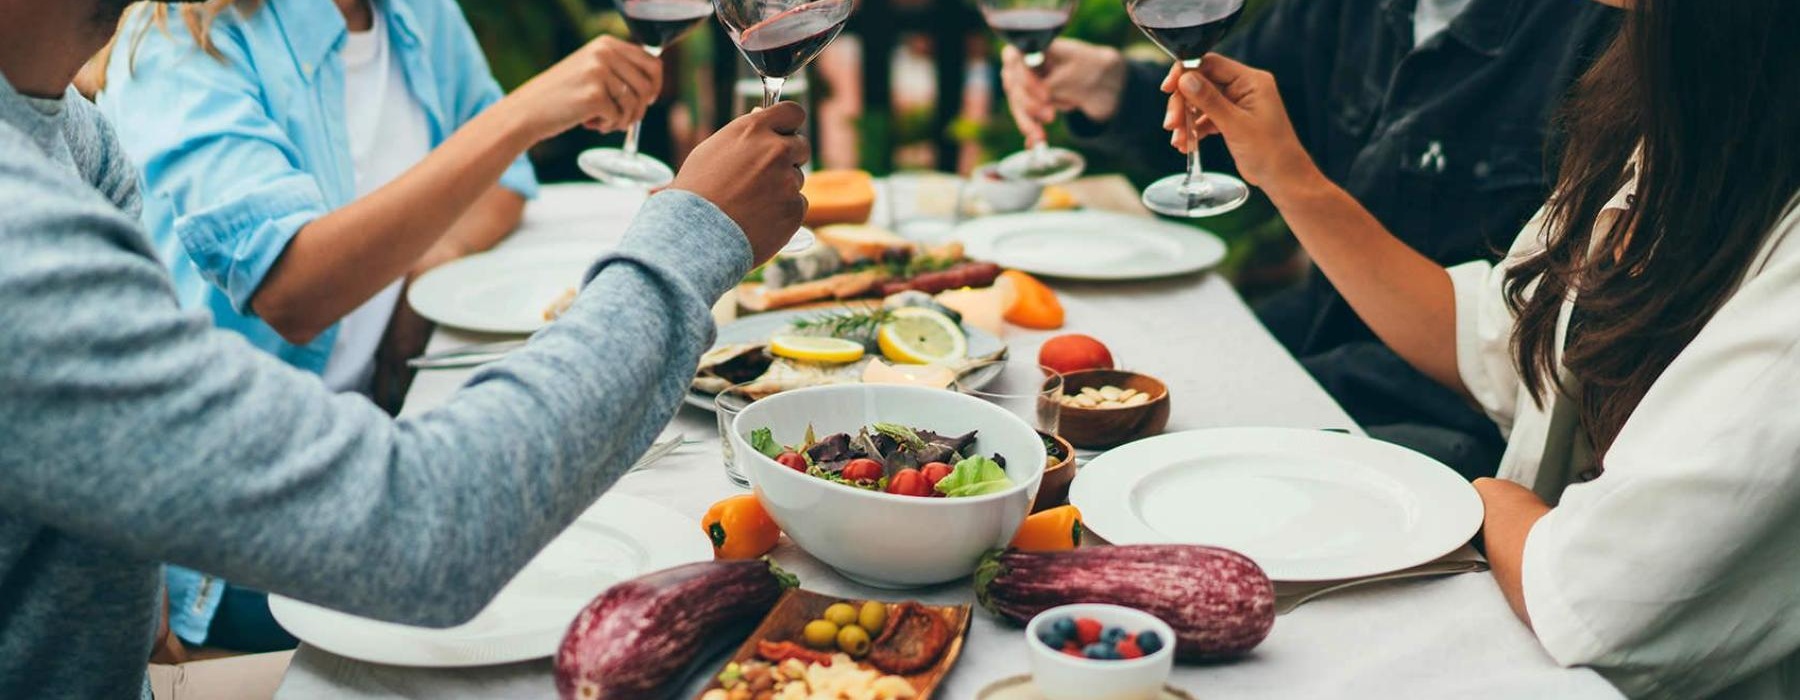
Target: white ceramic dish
x,y
1059,676
863,534
761,327
1306,505
1091,245
504,291
620,538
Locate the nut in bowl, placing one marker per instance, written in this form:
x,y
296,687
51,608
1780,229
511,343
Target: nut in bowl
x,y
1105,408
871,527
1105,652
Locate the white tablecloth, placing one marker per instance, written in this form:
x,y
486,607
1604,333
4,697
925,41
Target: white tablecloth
x,y
1445,638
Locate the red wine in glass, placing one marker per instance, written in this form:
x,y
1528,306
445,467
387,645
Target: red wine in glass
x,y
1187,29
1030,26
660,23
1030,29
779,38
655,24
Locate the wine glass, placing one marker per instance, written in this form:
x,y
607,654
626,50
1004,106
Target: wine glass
x,y
1187,29
655,25
1030,26
779,38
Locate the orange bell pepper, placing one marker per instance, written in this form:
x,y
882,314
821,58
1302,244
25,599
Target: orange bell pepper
x,y
1034,304
1053,530
739,528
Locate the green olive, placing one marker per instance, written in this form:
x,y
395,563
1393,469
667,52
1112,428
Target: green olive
x,y
853,640
841,614
873,616
820,634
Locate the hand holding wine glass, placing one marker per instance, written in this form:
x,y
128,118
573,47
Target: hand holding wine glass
x,y
606,84
1244,106
655,25
1187,30
751,170
1076,77
1030,26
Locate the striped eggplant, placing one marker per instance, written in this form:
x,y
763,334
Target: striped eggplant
x,y
637,637
1220,603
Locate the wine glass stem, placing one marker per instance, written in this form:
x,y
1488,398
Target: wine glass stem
x,y
1040,151
637,127
1196,176
772,90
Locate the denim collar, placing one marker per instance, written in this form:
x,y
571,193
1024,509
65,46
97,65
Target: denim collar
x,y
1486,26
316,29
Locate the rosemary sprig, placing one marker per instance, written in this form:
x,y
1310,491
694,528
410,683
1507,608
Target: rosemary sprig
x,y
857,324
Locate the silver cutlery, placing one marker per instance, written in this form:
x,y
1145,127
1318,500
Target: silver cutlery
x,y
659,450
1291,596
466,356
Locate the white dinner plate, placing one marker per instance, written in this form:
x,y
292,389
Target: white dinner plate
x,y
761,327
504,291
1091,245
1306,505
620,538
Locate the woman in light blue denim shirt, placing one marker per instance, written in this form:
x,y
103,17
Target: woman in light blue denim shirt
x,y
244,126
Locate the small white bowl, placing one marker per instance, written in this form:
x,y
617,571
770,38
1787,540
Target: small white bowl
x,y
989,193
881,539
1062,677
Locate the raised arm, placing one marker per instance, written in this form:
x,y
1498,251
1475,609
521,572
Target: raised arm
x,y
1405,297
131,424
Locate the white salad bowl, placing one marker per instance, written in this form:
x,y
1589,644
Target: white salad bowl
x,y
881,539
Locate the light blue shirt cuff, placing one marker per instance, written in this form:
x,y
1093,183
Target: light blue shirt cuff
x,y
521,178
193,601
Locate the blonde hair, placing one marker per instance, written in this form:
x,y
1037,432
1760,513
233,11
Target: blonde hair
x,y
197,17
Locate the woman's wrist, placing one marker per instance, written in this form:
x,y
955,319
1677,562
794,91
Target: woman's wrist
x,y
1306,187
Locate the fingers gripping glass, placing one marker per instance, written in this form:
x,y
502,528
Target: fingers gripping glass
x,y
779,38
1187,29
1030,26
656,25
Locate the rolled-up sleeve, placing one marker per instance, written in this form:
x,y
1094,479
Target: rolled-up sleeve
x,y
1674,574
210,153
1484,326
473,88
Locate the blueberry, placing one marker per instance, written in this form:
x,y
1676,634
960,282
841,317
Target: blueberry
x,y
1113,635
1149,642
1098,650
1063,627
1050,638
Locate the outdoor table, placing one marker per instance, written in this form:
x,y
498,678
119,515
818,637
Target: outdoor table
x,y
1451,637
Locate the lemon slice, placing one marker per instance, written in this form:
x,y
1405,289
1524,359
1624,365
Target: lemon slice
x,y
920,336
807,348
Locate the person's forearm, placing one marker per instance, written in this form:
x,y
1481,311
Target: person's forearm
x,y
1511,511
339,261
490,220
1405,297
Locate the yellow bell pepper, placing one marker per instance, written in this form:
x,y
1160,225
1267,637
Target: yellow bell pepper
x,y
739,528
1053,530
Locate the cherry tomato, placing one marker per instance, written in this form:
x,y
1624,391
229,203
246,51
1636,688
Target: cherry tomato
x,y
792,460
862,470
934,473
909,482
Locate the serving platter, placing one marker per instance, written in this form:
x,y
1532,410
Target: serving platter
x,y
760,327
797,607
502,291
1306,505
621,537
1091,245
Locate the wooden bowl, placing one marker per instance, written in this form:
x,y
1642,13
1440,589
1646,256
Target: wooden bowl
x,y
1053,491
1101,428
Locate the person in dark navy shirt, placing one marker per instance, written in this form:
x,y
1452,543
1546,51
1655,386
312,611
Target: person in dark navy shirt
x,y
1436,114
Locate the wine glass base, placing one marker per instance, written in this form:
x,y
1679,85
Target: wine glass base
x,y
1215,194
802,241
1050,167
618,168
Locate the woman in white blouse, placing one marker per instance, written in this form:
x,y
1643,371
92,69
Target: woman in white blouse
x,y
1640,343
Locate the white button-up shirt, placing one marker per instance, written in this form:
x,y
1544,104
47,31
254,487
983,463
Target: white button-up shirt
x,y
1676,573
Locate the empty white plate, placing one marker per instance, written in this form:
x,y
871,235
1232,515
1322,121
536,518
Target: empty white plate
x,y
620,538
504,291
1091,245
1305,505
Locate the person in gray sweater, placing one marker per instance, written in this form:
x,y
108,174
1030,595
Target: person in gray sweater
x,y
125,422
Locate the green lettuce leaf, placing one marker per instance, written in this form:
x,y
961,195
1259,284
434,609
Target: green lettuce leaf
x,y
975,476
763,440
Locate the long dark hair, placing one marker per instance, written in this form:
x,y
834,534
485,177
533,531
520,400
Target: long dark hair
x,y
1711,91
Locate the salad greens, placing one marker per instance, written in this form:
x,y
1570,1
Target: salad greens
x,y
975,476
763,440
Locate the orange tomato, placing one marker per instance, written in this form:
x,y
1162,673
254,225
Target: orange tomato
x,y
1034,305
1052,530
739,528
